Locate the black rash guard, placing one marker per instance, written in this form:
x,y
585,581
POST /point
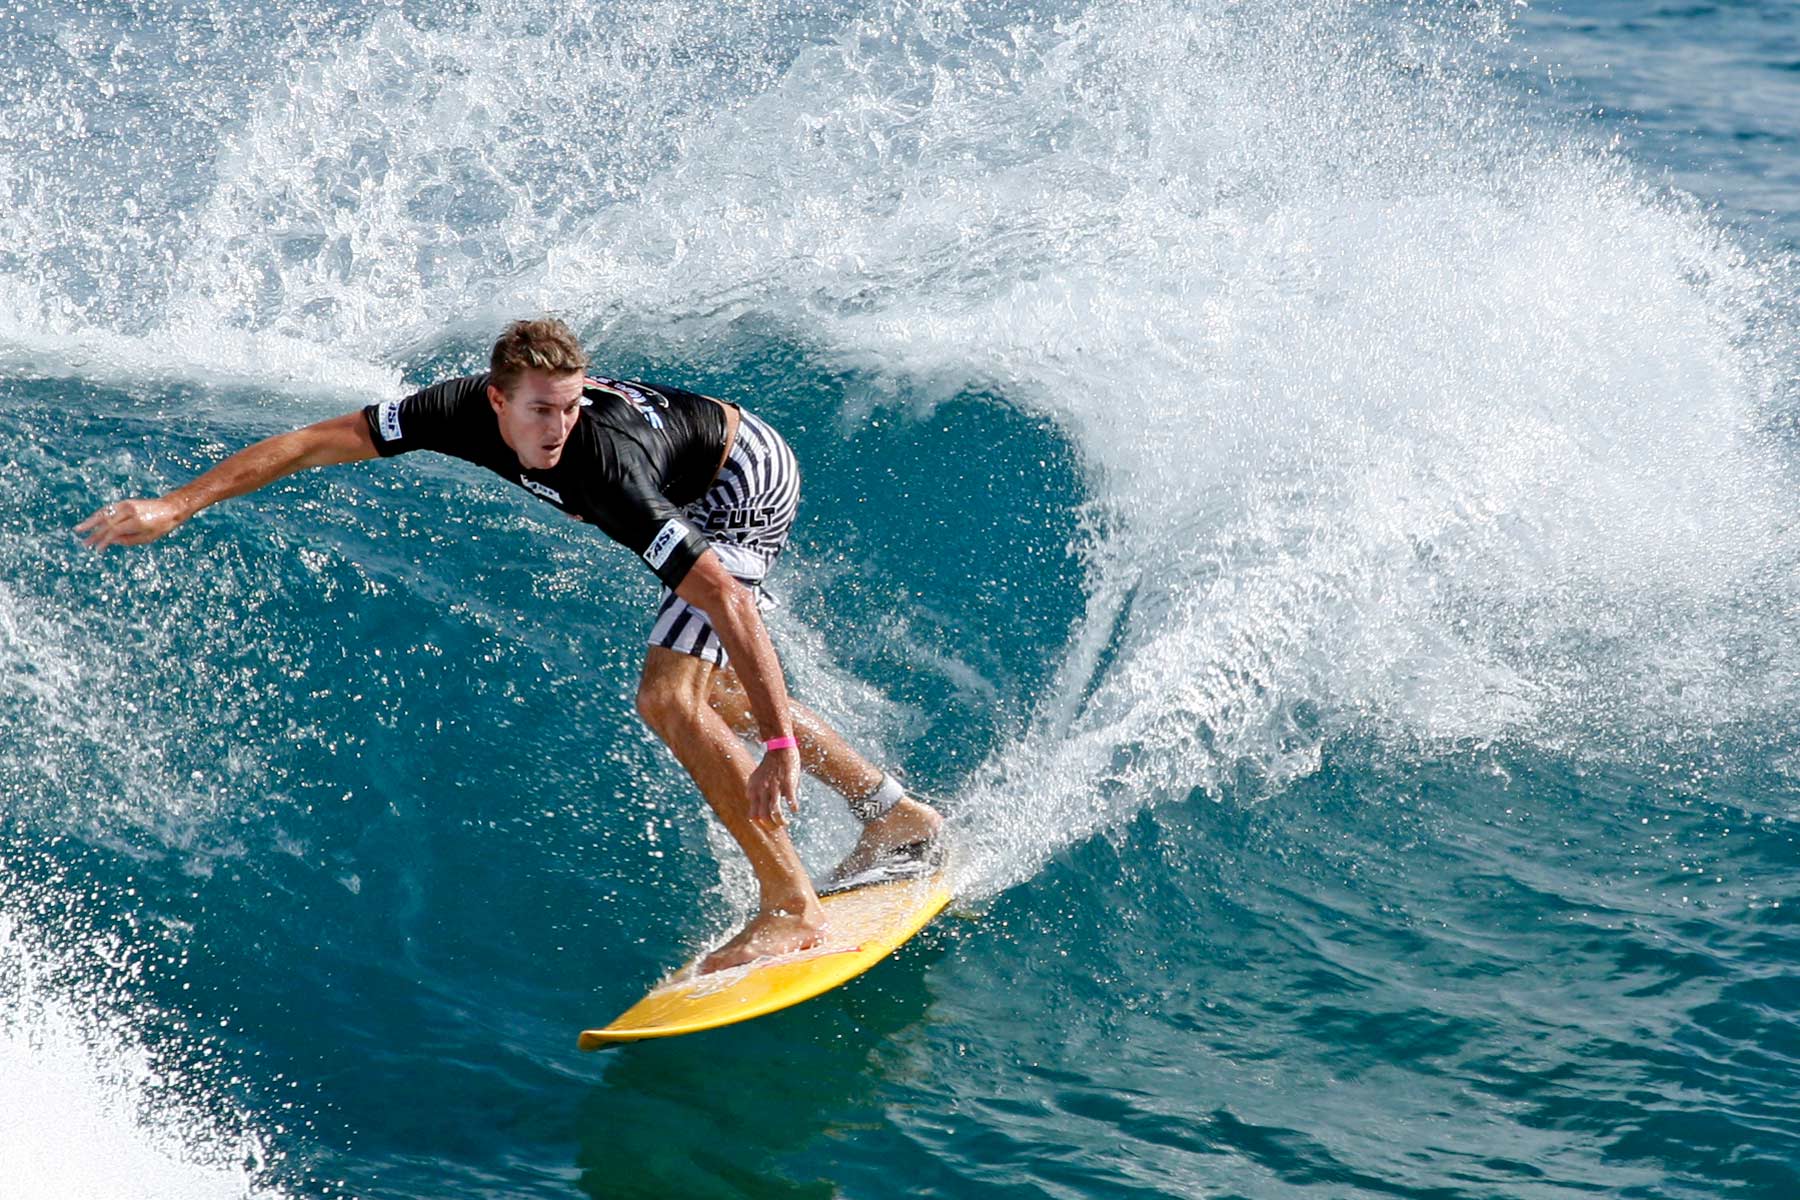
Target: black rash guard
x,y
638,455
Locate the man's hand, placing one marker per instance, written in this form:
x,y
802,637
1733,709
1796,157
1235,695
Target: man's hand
x,y
342,439
776,778
130,523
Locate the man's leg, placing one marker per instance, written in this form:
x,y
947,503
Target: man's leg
x,y
672,698
826,756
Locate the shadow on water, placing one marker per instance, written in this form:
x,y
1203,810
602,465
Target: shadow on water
x,y
754,1110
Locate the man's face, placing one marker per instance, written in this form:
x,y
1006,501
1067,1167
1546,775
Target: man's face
x,y
537,414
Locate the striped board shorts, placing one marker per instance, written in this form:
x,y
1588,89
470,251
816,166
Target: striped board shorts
x,y
746,515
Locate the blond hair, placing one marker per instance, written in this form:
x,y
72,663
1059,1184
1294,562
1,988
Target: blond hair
x,y
545,344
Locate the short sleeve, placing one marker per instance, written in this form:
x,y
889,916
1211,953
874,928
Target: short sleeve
x,y
639,517
436,418
673,551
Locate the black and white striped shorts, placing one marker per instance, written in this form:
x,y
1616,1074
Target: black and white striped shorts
x,y
746,515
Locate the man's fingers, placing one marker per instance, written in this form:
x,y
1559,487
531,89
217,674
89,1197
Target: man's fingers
x,y
109,534
105,528
764,813
770,794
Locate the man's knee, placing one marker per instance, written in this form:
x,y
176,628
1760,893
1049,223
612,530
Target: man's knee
x,y
661,706
670,693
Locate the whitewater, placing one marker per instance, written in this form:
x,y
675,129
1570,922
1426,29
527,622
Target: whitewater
x,y
1310,487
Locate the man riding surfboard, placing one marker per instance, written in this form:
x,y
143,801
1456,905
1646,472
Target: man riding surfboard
x,y
701,490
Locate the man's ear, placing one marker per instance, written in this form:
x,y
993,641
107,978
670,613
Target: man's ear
x,y
496,397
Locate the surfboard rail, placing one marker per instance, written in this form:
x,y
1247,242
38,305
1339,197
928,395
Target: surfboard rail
x,y
862,927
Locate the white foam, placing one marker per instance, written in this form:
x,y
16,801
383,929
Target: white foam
x,y
85,1113
1399,413
185,350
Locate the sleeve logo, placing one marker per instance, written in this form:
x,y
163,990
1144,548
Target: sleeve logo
x,y
388,416
664,543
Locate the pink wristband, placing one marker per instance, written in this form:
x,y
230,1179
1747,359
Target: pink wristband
x,y
781,743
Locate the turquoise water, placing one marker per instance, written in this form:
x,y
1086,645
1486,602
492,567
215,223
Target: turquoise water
x,y
1309,486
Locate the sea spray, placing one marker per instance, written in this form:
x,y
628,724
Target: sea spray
x,y
90,1110
1404,425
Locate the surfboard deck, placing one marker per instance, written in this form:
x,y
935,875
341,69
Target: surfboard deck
x,y
863,925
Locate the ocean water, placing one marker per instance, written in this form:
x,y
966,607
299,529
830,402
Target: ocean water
x,y
1310,486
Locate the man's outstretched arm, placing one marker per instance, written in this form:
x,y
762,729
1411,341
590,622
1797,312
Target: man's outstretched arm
x,y
134,522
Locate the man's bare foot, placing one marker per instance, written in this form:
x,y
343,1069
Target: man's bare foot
x,y
768,935
907,823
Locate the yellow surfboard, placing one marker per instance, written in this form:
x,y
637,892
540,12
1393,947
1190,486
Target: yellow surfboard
x,y
862,926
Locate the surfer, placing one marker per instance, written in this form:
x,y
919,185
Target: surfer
x,y
701,490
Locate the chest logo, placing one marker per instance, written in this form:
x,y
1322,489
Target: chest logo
x,y
538,489
645,403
